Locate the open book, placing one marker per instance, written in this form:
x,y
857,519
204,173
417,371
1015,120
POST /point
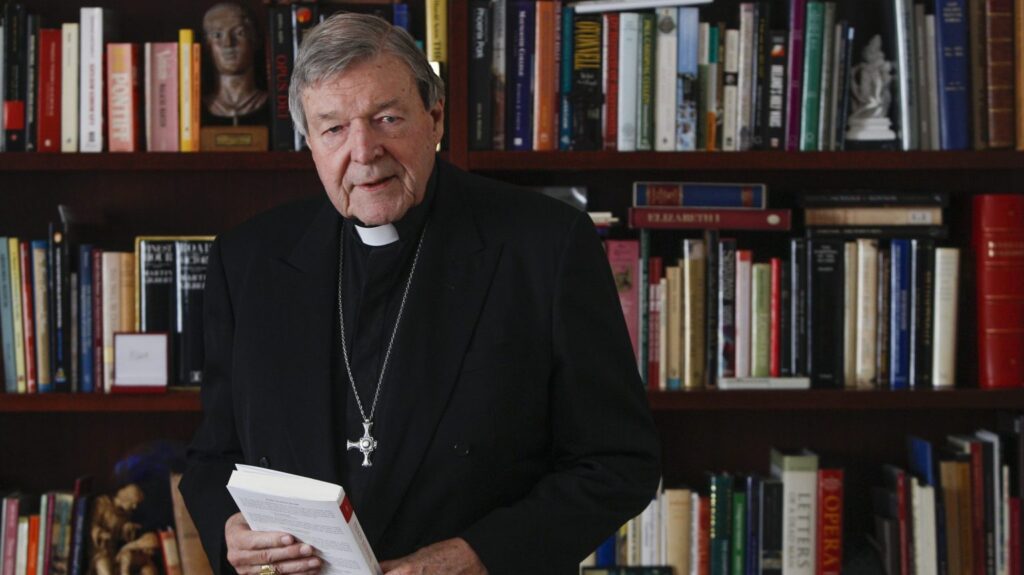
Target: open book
x,y
314,512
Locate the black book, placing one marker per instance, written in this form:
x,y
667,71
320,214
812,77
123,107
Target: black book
x,y
725,354
762,23
59,296
883,322
586,89
711,308
785,319
303,18
480,55
155,267
846,59
280,61
872,198
771,527
191,259
31,79
877,232
773,121
797,309
922,297
15,70
825,321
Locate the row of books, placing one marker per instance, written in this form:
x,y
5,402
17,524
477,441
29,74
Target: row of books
x,y
61,306
56,533
953,508
545,77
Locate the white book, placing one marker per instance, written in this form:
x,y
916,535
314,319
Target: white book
x,y
932,82
828,42
649,533
629,80
1005,507
764,383
591,6
922,502
850,315
944,316
867,313
315,512
996,494
799,475
667,54
745,81
904,82
69,65
21,551
44,537
743,268
695,527
90,103
730,123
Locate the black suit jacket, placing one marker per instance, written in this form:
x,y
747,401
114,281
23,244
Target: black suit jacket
x,y
517,419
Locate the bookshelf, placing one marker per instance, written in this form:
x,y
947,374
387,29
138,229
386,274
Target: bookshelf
x,y
47,441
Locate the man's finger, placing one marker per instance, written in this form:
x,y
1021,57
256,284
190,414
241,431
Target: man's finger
x,y
298,566
263,539
275,555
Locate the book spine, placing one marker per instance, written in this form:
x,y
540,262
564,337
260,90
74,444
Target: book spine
x,y
727,307
545,71
437,30
712,278
85,318
91,53
10,378
188,140
849,363
280,62
50,71
28,315
565,77
1018,14
645,87
745,79
694,271
932,82
520,76
31,50
712,89
610,82
979,92
920,80
111,311
15,76
907,128
811,87
760,321
480,137
882,323
60,310
730,116
674,330
629,81
704,218
99,319
953,71
999,81
845,71
922,295
400,16
738,560
825,314
17,315
700,195
654,342
826,80
163,115
744,263
787,331
775,319
69,94
686,79
10,534
122,97
799,285
719,533
795,72
774,122
799,474
191,258
624,258
873,216
867,314
40,281
830,522
899,314
667,54
771,527
156,285
947,276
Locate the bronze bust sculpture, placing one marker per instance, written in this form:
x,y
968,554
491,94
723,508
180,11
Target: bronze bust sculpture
x,y
230,36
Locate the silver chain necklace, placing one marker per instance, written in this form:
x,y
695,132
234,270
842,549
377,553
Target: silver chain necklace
x,y
367,444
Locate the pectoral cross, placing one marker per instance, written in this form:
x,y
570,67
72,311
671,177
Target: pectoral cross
x,y
366,444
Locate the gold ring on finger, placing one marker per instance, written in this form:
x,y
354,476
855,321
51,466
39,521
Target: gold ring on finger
x,y
268,569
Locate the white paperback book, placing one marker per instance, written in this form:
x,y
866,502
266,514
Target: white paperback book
x,y
314,512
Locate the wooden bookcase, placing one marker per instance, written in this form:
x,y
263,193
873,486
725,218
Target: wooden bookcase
x,y
46,441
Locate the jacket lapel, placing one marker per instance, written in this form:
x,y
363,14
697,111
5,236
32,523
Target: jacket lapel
x,y
446,297
305,287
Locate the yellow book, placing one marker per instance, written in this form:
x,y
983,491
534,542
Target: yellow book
x,y
110,314
41,308
694,271
14,249
674,329
126,286
437,31
189,138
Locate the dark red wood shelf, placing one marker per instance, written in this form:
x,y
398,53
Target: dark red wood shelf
x,y
174,401
836,400
747,161
156,162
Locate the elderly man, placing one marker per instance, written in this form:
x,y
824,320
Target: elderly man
x,y
448,348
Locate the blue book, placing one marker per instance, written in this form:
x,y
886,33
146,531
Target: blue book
x,y
605,555
565,90
753,554
921,458
7,320
686,79
700,195
400,16
522,15
86,347
953,66
899,315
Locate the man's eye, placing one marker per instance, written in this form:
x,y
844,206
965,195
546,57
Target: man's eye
x,y
333,130
388,119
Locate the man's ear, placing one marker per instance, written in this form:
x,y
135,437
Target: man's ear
x,y
437,115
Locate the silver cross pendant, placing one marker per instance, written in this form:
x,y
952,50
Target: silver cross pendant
x,y
365,444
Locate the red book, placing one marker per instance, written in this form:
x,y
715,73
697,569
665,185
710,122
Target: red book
x,y
999,80
10,529
704,537
32,563
999,256
28,318
666,218
654,274
775,341
624,258
48,101
610,62
830,522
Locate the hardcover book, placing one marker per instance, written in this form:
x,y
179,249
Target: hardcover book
x,y
700,195
703,218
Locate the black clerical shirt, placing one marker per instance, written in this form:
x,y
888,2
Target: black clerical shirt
x,y
373,281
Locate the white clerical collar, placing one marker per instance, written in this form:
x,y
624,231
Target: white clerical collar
x,y
378,235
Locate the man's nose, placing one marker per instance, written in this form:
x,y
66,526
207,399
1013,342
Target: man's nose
x,y
365,143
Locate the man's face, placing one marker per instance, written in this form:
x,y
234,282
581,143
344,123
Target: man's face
x,y
230,39
372,140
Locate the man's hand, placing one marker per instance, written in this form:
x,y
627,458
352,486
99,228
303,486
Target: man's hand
x,y
248,550
450,557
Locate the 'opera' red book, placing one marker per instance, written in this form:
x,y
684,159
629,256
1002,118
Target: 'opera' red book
x,y
830,522
999,250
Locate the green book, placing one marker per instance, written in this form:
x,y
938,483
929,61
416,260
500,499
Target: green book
x,y
645,96
814,37
760,320
720,502
739,532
